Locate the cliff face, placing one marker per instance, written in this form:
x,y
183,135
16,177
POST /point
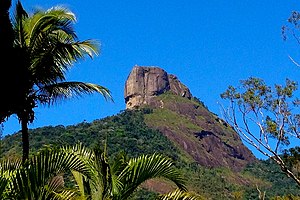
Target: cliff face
x,y
184,120
145,83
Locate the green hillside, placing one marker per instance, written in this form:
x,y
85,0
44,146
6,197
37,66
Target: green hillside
x,y
128,132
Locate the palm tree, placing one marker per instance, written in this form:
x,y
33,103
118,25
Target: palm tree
x,y
8,73
41,177
45,47
120,180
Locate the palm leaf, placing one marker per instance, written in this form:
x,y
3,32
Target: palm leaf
x,y
80,183
10,165
66,194
8,169
66,90
56,187
3,185
117,167
102,182
46,23
53,46
180,195
48,40
19,17
56,183
120,180
38,179
147,167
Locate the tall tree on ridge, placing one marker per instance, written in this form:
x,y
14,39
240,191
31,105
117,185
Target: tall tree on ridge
x,y
46,46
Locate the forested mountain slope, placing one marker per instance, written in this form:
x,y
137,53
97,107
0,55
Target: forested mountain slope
x,y
162,116
127,131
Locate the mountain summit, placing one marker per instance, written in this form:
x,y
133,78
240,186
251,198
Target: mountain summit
x,y
145,83
184,119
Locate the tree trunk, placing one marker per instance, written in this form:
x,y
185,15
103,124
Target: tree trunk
x,y
25,139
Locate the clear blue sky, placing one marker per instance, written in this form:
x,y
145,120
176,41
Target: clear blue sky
x,y
207,44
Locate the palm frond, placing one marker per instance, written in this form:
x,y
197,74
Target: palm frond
x,y
10,164
45,24
120,162
146,167
83,180
79,150
95,185
66,90
8,170
3,185
89,47
57,190
120,180
52,44
20,12
62,12
102,182
80,183
56,183
19,16
53,31
65,194
37,179
180,195
66,52
8,167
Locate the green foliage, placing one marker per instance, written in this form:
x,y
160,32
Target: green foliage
x,y
286,197
279,183
180,195
41,177
146,167
214,183
141,194
170,119
120,179
125,131
198,101
170,97
265,117
255,96
128,132
291,29
45,47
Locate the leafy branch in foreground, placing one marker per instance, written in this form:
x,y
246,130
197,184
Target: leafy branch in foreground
x,y
265,117
121,178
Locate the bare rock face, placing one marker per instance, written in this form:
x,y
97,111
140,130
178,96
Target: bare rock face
x,y
206,138
178,88
145,83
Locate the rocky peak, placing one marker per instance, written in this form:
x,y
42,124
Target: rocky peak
x,y
145,83
209,140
